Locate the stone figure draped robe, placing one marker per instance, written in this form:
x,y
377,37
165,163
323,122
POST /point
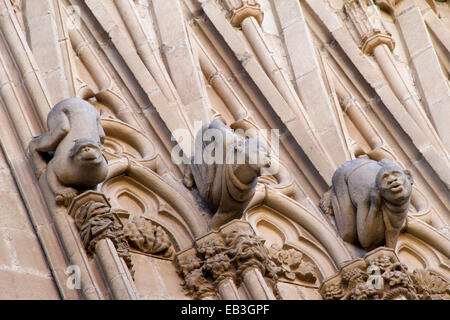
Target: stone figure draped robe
x,y
220,187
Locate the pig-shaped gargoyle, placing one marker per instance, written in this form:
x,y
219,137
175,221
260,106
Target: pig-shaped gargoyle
x,y
225,169
75,138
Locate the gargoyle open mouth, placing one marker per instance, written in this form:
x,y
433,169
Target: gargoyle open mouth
x,y
91,157
396,187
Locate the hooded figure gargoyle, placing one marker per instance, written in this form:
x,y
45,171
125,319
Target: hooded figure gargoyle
x,y
225,170
370,202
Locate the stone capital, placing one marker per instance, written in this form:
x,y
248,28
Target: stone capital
x,y
96,220
387,5
242,9
366,19
216,261
373,39
191,269
382,276
84,198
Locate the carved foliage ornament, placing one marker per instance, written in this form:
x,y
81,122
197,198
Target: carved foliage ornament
x,y
292,265
333,291
217,263
220,258
191,270
430,286
385,279
96,221
146,237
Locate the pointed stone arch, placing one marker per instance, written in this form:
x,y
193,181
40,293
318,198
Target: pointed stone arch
x,y
290,234
319,228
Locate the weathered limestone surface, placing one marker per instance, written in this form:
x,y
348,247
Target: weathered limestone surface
x,y
327,178
24,272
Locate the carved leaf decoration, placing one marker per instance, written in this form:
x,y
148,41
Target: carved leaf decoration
x,y
290,275
149,238
212,247
191,270
333,291
429,284
354,277
383,262
188,264
363,292
196,285
294,258
307,272
97,221
384,278
291,264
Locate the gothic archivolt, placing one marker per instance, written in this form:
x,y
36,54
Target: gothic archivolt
x,y
354,203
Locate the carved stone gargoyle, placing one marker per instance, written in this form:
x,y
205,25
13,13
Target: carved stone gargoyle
x,y
225,170
75,138
369,201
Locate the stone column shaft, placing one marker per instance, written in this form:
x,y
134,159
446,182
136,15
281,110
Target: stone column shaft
x,y
228,290
252,32
90,210
256,285
76,254
384,58
116,272
220,84
376,41
352,108
29,71
130,17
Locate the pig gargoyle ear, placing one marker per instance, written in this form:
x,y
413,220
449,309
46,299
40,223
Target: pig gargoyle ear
x,y
409,175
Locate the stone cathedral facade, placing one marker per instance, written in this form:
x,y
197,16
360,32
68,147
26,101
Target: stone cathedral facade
x,y
105,111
